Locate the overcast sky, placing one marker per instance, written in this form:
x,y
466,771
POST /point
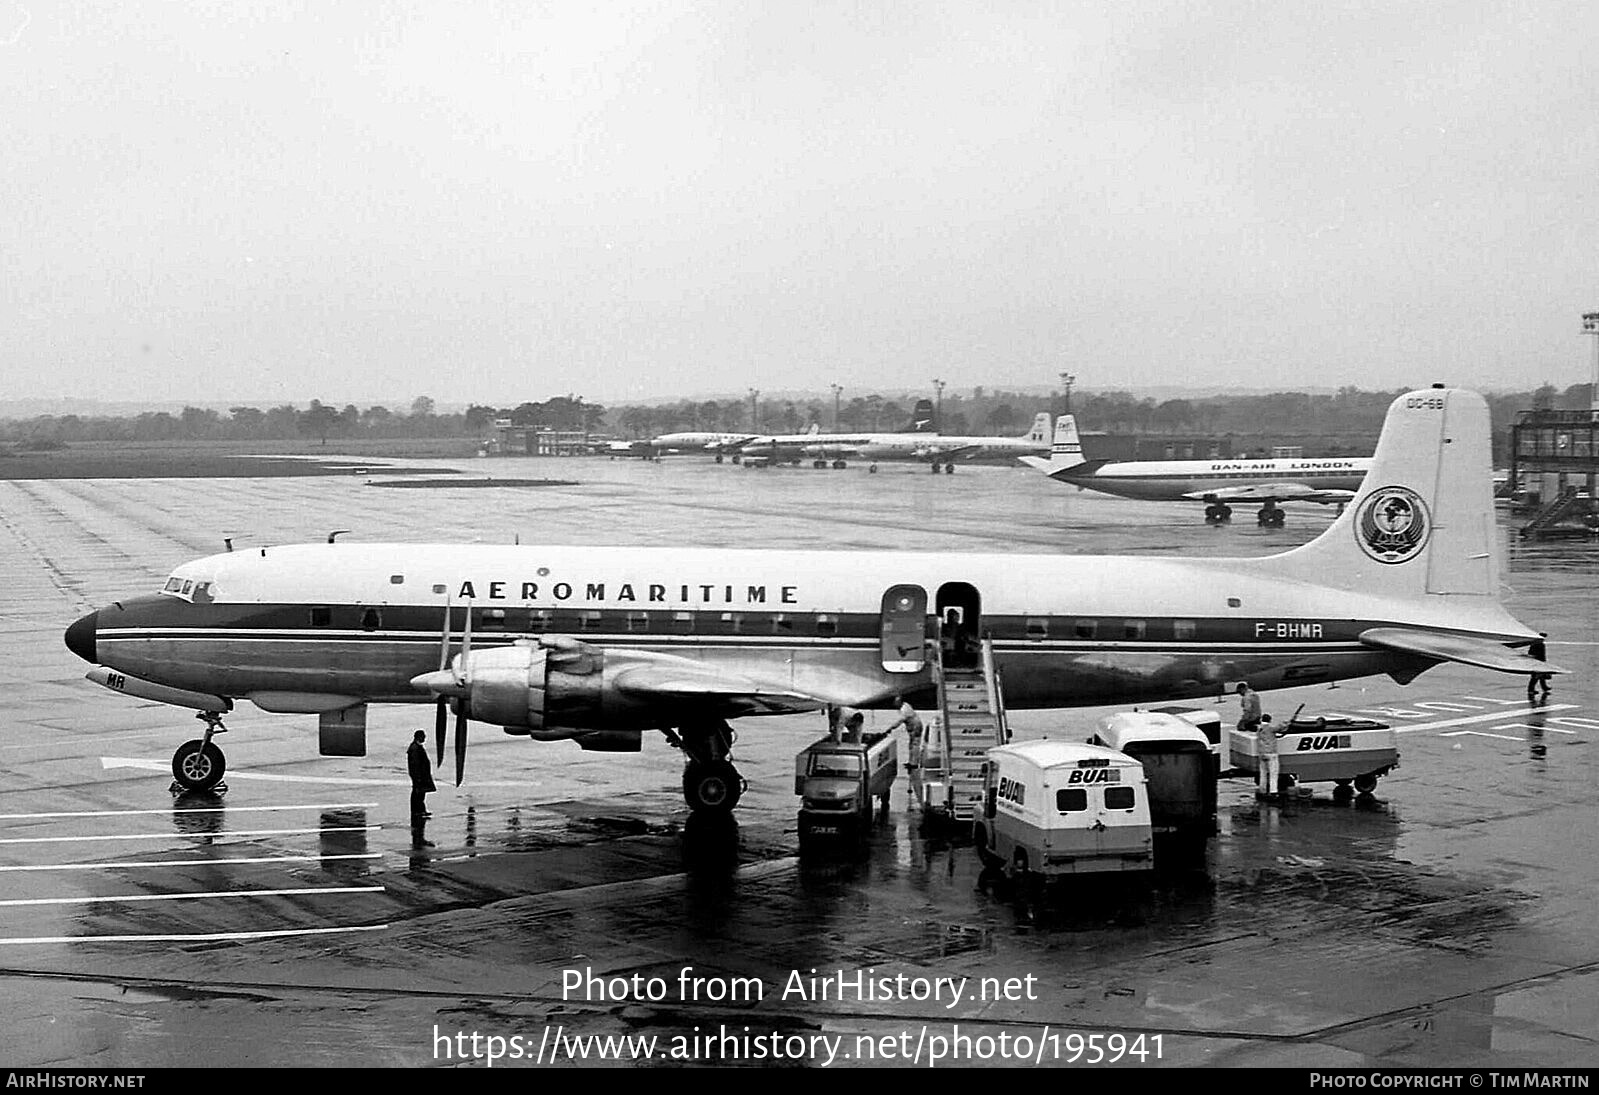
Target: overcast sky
x,y
371,201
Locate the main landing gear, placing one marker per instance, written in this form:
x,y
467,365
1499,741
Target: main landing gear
x,y
947,469
1218,513
711,785
198,765
1270,516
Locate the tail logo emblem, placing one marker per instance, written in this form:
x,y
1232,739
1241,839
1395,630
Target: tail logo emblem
x,y
1392,524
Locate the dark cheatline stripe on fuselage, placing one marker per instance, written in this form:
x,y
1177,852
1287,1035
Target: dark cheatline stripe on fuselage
x,y
426,623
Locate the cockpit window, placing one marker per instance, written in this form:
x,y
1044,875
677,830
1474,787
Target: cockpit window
x,y
188,589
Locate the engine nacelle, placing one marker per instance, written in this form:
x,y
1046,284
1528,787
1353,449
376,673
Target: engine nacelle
x,y
610,741
551,691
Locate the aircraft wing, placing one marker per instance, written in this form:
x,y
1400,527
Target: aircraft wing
x,y
943,452
1273,492
1465,649
732,694
731,444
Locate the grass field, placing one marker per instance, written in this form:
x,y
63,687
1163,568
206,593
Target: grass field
x,y
221,459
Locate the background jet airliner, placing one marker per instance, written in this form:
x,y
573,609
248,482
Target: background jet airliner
x,y
602,644
1328,480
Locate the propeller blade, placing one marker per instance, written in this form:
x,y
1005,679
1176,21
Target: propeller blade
x,y
463,661
460,742
441,716
444,638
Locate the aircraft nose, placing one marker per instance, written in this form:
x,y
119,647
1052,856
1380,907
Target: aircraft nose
x,y
81,638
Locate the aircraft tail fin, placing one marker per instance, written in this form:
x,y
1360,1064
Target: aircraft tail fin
x,y
1422,523
1066,451
1039,434
922,416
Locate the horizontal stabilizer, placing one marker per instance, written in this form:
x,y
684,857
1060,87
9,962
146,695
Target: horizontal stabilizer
x,y
1465,649
1081,469
1272,492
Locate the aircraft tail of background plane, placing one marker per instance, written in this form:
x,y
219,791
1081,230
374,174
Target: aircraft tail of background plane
x,y
1422,523
922,416
1040,431
1067,449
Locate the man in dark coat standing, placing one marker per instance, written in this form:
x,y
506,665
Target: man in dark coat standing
x,y
416,759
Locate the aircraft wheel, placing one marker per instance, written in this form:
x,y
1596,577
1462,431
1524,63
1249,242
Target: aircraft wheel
x,y
1224,513
712,788
198,765
872,469
1366,784
949,469
1213,515
838,465
935,469
719,458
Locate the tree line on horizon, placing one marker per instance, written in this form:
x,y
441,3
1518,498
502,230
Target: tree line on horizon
x,y
1349,411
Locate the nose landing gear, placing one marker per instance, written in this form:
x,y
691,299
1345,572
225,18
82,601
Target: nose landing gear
x,y
198,765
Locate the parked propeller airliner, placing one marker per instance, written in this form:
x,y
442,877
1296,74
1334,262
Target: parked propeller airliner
x,y
1330,480
602,644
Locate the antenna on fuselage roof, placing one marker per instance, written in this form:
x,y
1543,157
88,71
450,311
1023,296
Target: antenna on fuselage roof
x,y
227,541
336,533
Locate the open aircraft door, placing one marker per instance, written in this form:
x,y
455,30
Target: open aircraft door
x,y
904,629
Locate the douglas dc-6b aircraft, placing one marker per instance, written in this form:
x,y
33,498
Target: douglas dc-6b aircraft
x,y
600,645
1332,480
940,451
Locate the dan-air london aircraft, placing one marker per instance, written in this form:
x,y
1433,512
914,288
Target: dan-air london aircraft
x,y
1331,480
601,645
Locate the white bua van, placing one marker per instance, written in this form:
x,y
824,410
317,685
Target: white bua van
x,y
1054,808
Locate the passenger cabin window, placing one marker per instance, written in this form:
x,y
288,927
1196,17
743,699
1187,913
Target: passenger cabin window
x,y
539,619
733,622
783,624
396,579
682,623
371,619
1070,800
493,619
1134,629
1118,798
1085,629
591,620
826,625
638,621
1184,629
321,615
1037,628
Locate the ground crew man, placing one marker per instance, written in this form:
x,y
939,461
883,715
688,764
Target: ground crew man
x,y
914,731
421,769
1538,680
1266,757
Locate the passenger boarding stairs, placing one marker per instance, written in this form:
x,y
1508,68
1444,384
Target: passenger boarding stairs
x,y
1544,521
971,707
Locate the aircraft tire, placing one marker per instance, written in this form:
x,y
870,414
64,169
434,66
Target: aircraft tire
x,y
949,469
1366,783
712,788
872,469
198,765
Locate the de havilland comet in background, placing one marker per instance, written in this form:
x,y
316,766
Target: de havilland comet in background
x,y
600,645
1328,480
